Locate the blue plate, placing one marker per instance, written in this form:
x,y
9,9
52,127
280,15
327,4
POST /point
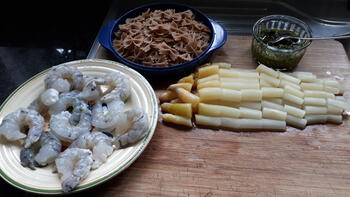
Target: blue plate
x,y
218,38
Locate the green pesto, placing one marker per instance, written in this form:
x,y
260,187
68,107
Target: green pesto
x,y
285,55
269,35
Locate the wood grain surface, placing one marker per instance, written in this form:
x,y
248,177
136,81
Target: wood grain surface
x,y
205,162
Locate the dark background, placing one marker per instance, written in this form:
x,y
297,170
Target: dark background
x,y
35,35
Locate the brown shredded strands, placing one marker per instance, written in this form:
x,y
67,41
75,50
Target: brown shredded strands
x,y
162,38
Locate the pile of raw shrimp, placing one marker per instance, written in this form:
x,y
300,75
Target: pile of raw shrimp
x,y
87,119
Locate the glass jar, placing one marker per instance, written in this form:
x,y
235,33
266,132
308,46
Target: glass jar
x,y
282,56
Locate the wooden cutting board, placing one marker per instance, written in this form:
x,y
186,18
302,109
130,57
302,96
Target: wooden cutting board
x,y
204,162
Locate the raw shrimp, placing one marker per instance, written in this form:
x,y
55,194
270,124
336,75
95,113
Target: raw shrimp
x,y
73,165
27,157
99,143
64,130
50,147
65,100
138,126
91,90
64,78
78,108
69,100
49,97
105,118
14,124
119,87
46,99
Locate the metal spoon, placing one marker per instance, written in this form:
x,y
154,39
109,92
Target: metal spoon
x,y
279,39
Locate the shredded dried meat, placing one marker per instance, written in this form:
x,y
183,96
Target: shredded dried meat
x,y
162,38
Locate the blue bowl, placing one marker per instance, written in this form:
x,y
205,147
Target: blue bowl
x,y
218,38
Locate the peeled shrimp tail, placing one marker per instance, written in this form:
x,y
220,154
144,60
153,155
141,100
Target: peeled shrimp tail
x,y
49,97
138,130
64,130
27,158
49,150
78,80
79,107
106,118
44,101
37,128
13,125
73,166
119,87
91,90
101,145
70,183
64,78
10,128
65,100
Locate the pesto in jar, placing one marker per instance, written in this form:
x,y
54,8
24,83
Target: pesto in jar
x,y
268,36
283,55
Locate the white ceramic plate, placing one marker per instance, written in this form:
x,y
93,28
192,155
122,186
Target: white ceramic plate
x,y
42,180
